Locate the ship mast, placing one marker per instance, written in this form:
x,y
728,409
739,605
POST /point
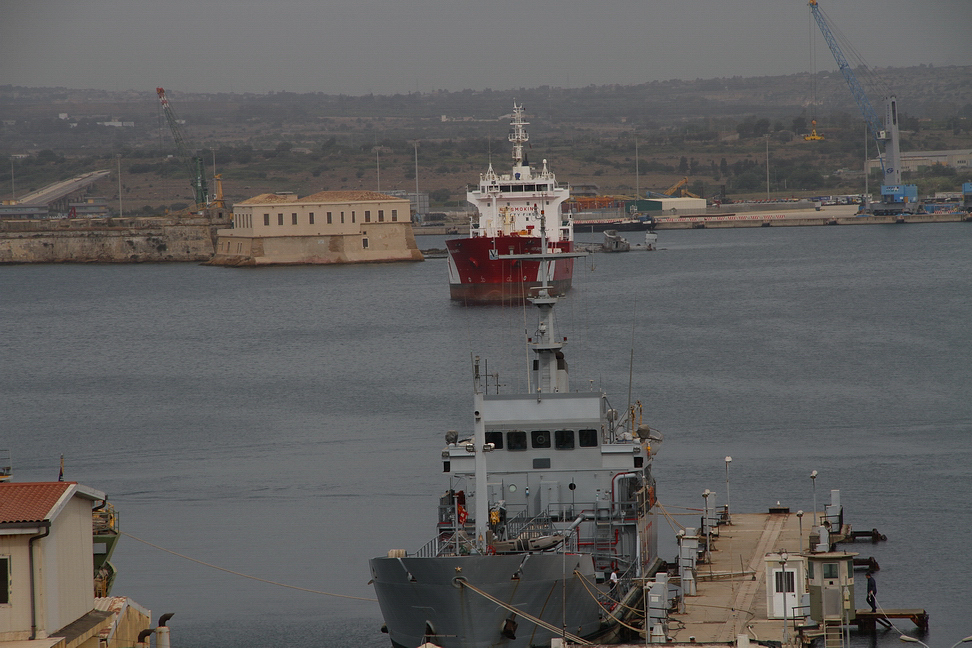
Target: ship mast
x,y
518,136
552,368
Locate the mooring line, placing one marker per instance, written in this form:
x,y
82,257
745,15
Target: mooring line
x,y
242,575
532,619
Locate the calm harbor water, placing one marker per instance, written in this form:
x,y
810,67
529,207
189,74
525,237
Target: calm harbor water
x,y
286,422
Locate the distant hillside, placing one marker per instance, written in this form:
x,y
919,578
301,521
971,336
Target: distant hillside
x,y
621,138
923,91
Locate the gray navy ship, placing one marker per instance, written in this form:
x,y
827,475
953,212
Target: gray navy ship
x,y
548,495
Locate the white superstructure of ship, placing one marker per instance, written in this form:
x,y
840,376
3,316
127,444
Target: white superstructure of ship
x,y
517,213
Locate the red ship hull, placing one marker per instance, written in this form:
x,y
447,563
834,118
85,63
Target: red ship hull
x,y
476,278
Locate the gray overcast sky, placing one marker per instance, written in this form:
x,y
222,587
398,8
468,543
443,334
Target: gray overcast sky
x,y
391,46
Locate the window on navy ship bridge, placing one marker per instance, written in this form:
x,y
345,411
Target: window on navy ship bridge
x,y
516,440
587,438
564,439
496,438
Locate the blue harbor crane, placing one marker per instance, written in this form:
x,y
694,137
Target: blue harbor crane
x,y
193,163
895,197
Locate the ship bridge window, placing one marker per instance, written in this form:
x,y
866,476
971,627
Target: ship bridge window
x,y
496,438
516,440
587,438
505,188
564,439
540,438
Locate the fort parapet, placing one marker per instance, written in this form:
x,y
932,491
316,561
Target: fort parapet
x,y
148,239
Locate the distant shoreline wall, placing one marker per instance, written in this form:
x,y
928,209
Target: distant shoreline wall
x,y
108,240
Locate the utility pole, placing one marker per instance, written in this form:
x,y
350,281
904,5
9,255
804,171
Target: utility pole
x,y
416,178
120,213
767,166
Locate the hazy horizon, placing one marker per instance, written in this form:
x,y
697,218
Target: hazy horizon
x,y
384,47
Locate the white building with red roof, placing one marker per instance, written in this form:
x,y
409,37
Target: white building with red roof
x,y
47,587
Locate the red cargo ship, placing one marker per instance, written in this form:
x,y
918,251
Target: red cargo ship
x,y
517,212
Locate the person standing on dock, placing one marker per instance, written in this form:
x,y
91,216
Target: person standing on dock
x,y
871,592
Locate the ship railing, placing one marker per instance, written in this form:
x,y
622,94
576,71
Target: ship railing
x,y
455,544
104,520
539,525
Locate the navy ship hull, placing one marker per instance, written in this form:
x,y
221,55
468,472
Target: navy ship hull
x,y
426,599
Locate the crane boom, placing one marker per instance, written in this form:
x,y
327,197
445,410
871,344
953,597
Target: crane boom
x,y
193,163
860,96
892,192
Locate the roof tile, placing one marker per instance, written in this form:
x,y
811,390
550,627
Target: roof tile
x,y
30,502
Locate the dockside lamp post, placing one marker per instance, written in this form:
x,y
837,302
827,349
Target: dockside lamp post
x,y
800,520
783,558
706,525
728,515
813,480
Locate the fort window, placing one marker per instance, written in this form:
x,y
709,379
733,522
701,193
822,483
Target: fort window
x,y
367,216
342,218
395,215
266,220
352,216
293,219
279,219
328,218
516,440
310,218
587,438
381,215
4,580
364,244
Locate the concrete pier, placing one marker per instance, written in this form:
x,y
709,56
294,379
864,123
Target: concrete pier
x,y
731,600
831,215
